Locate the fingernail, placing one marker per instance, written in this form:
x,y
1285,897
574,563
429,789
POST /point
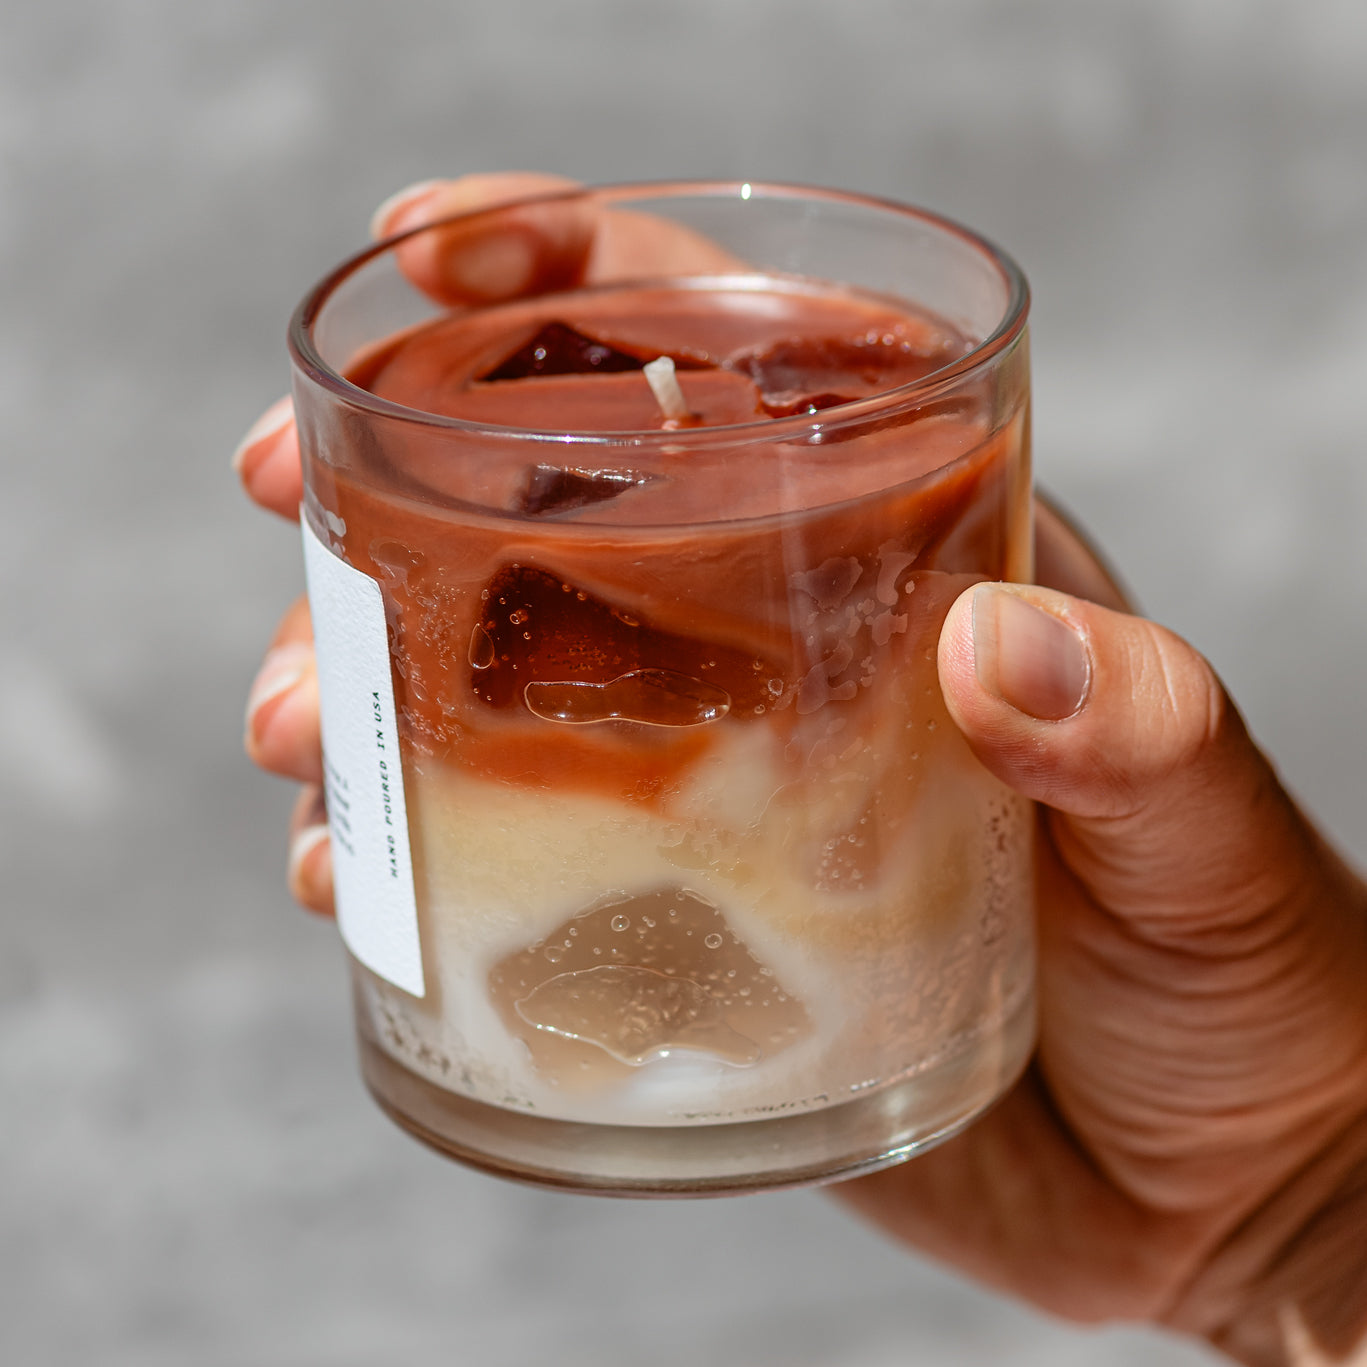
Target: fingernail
x,y
401,199
494,267
280,671
304,875
267,425
1026,656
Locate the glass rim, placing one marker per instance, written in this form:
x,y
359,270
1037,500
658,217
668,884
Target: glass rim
x,y
308,361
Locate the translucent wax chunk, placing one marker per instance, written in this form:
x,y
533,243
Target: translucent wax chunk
x,y
639,977
559,349
807,374
547,645
549,489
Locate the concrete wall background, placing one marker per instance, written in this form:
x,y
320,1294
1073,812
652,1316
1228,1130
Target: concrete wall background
x,y
189,1171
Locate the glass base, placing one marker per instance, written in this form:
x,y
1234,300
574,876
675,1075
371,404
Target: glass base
x,y
875,1131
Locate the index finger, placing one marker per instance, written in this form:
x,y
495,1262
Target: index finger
x,y
1066,559
534,247
554,244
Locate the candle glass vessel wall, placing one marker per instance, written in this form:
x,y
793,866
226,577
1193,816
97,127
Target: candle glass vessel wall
x,y
660,862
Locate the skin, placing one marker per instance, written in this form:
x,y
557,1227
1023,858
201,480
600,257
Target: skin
x,y
1190,1146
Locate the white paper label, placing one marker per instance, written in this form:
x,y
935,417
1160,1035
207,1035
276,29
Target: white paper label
x,y
372,867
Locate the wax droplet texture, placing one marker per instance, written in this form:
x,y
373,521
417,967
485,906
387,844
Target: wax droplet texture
x,y
657,697
481,652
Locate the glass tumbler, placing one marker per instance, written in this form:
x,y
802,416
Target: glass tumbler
x,y
631,520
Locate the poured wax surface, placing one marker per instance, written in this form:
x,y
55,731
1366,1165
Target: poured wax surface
x,y
772,352
572,363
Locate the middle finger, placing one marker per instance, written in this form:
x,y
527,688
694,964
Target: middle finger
x,y
282,728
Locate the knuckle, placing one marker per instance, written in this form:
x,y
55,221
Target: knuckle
x,y
1191,710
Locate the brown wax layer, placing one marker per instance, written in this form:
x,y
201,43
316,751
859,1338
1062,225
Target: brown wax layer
x,y
786,586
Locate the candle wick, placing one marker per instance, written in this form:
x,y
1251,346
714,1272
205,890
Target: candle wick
x,y
664,384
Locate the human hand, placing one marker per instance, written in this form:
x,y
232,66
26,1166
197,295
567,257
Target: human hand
x,y
1190,1146
1196,1108
556,247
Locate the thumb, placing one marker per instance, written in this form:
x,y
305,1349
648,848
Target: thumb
x,y
1162,805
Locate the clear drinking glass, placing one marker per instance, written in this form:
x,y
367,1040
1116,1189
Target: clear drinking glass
x,y
661,865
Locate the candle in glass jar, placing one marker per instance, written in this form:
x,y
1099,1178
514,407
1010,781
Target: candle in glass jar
x,y
695,844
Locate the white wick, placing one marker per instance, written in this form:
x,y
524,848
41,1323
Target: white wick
x,y
664,384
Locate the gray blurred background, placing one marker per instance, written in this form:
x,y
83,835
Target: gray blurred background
x,y
189,1169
